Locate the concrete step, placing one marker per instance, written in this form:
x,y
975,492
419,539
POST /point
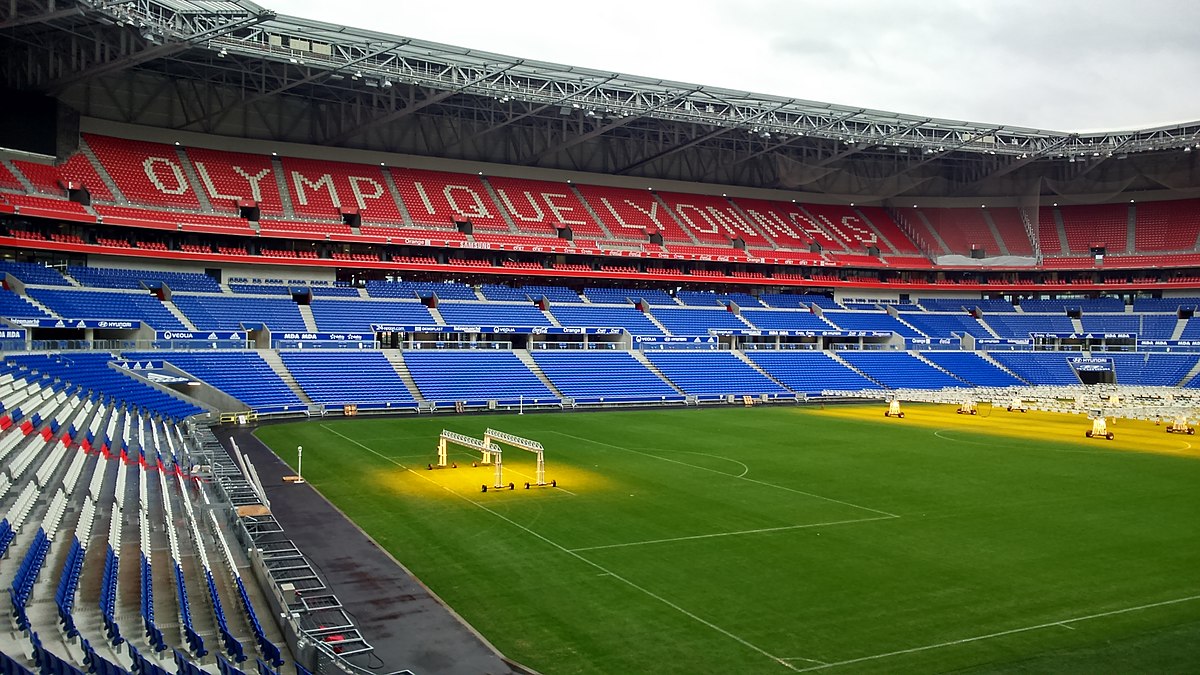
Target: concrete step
x,y
276,363
396,358
527,359
641,358
174,310
310,321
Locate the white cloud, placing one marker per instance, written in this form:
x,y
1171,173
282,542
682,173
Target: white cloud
x,y
1072,65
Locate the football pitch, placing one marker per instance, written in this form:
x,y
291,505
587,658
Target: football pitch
x,y
791,539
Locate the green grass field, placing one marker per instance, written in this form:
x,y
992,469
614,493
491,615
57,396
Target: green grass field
x,y
770,540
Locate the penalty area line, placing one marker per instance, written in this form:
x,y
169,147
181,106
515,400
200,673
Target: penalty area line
x,y
760,530
602,569
1052,624
803,658
729,475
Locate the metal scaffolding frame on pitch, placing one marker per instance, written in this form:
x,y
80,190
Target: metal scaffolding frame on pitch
x,y
491,435
489,454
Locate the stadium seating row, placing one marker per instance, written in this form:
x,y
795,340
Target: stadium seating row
x,y
155,178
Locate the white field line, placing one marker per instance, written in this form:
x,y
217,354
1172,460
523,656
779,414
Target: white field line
x,y
745,469
1063,623
729,475
783,528
597,566
989,444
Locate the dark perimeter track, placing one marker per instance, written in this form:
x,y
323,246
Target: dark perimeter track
x,y
397,614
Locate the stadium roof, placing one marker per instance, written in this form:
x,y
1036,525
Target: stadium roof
x,y
234,68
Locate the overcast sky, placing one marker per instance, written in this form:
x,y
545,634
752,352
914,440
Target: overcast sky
x,y
1061,65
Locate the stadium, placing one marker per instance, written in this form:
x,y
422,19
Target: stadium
x,y
326,350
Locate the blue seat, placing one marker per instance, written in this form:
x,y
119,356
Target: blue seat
x,y
900,369
89,304
474,375
341,377
809,372
712,374
609,375
212,312
242,374
694,321
1039,367
972,368
625,296
358,315
599,316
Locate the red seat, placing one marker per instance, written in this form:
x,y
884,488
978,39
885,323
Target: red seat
x,y
322,189
227,177
1167,226
1089,225
439,199
146,173
712,219
850,230
631,214
890,230
540,206
1048,232
1012,230
785,223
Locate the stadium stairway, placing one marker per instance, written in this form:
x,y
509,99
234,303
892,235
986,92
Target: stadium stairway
x,y
988,357
285,195
882,238
174,310
595,217
487,185
983,322
812,218
926,228
987,218
310,322
272,358
101,171
523,354
895,314
737,208
1131,229
395,357
390,181
641,358
745,359
438,319
1191,375
24,182
54,315
1061,230
920,357
654,320
834,355
194,180
1180,325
